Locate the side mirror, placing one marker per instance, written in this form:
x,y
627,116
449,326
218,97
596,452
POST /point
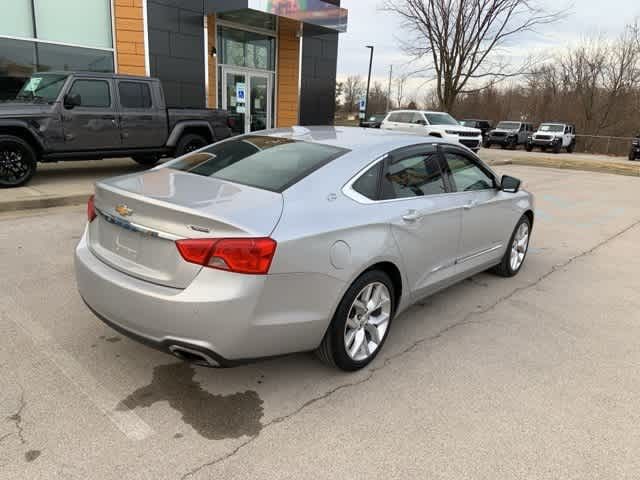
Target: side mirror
x,y
72,101
510,184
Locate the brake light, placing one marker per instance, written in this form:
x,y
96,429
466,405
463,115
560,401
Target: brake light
x,y
239,255
91,209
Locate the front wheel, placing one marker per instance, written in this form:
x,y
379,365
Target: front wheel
x,y
517,249
632,155
189,143
528,147
18,161
361,323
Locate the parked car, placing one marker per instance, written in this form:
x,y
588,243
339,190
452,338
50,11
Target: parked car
x,y
483,125
634,153
294,240
509,134
553,136
69,116
373,121
433,124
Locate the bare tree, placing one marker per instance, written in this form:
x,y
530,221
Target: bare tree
x,y
400,85
377,98
353,88
461,40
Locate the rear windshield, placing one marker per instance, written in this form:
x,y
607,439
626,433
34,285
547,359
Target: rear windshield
x,y
269,163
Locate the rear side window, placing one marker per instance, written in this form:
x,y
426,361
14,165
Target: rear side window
x,y
134,95
367,184
415,176
93,93
269,163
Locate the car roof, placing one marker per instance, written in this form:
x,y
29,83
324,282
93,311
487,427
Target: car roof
x,y
351,138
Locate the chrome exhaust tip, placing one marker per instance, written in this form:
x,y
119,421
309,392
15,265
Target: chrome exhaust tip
x,y
193,356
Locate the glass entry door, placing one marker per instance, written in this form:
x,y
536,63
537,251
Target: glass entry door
x,y
247,96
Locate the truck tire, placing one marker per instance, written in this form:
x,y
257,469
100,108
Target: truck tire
x,y
557,147
146,160
18,161
632,155
528,147
189,143
571,147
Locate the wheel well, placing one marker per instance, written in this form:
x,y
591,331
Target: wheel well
x,y
530,216
24,134
202,131
395,276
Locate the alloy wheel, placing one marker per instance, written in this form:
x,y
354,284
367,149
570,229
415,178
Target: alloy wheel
x,y
519,246
367,321
14,167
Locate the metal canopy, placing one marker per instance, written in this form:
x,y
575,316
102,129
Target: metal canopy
x,y
314,12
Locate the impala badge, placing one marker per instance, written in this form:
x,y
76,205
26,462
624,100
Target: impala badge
x,y
124,210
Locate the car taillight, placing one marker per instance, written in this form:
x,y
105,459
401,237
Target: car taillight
x,y
239,255
91,209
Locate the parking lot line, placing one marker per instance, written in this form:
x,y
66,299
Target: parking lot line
x,y
127,422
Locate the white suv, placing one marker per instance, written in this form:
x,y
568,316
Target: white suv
x,y
434,124
554,136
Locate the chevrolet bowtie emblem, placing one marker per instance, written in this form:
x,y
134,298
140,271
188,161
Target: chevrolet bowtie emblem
x,y
124,210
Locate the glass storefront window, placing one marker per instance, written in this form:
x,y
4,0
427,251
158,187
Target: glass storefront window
x,y
57,57
16,19
246,49
81,22
17,63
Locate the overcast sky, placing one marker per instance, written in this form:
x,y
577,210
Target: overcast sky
x,y
368,25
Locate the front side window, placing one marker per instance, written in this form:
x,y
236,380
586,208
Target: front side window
x,y
414,176
467,176
394,117
417,118
134,95
92,93
268,163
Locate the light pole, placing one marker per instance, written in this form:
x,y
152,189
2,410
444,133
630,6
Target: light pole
x,y
366,107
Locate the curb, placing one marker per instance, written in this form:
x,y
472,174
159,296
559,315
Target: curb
x,y
43,202
631,170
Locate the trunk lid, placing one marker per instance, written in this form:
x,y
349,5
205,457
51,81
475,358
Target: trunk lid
x,y
140,216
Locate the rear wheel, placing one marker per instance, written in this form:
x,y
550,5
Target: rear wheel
x,y
190,143
528,147
517,249
146,160
571,147
18,161
361,323
632,155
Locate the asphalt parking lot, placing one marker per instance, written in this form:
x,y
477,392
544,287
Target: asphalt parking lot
x,y
533,377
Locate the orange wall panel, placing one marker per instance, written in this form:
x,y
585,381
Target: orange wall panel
x,y
288,95
129,41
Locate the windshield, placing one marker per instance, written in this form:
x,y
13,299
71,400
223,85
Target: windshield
x,y
468,123
551,128
44,87
509,126
269,163
441,119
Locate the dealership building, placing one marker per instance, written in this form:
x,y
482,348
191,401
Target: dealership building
x,y
270,63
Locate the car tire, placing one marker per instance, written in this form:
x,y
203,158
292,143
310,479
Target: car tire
x,y
486,144
189,143
146,160
571,147
632,155
518,245
528,148
557,147
347,324
18,161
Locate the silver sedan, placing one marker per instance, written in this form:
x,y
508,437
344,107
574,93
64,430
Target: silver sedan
x,y
294,240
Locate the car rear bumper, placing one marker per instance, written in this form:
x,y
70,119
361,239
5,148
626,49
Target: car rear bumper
x,y
229,318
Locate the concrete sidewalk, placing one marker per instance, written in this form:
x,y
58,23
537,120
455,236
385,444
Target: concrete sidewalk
x,y
71,183
64,183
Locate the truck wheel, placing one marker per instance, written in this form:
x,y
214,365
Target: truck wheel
x,y
632,155
571,147
18,161
528,147
146,160
189,143
557,147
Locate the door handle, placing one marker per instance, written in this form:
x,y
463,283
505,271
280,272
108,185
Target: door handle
x,y
471,204
411,216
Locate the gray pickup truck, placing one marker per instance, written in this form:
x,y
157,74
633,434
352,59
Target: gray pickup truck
x,y
67,116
